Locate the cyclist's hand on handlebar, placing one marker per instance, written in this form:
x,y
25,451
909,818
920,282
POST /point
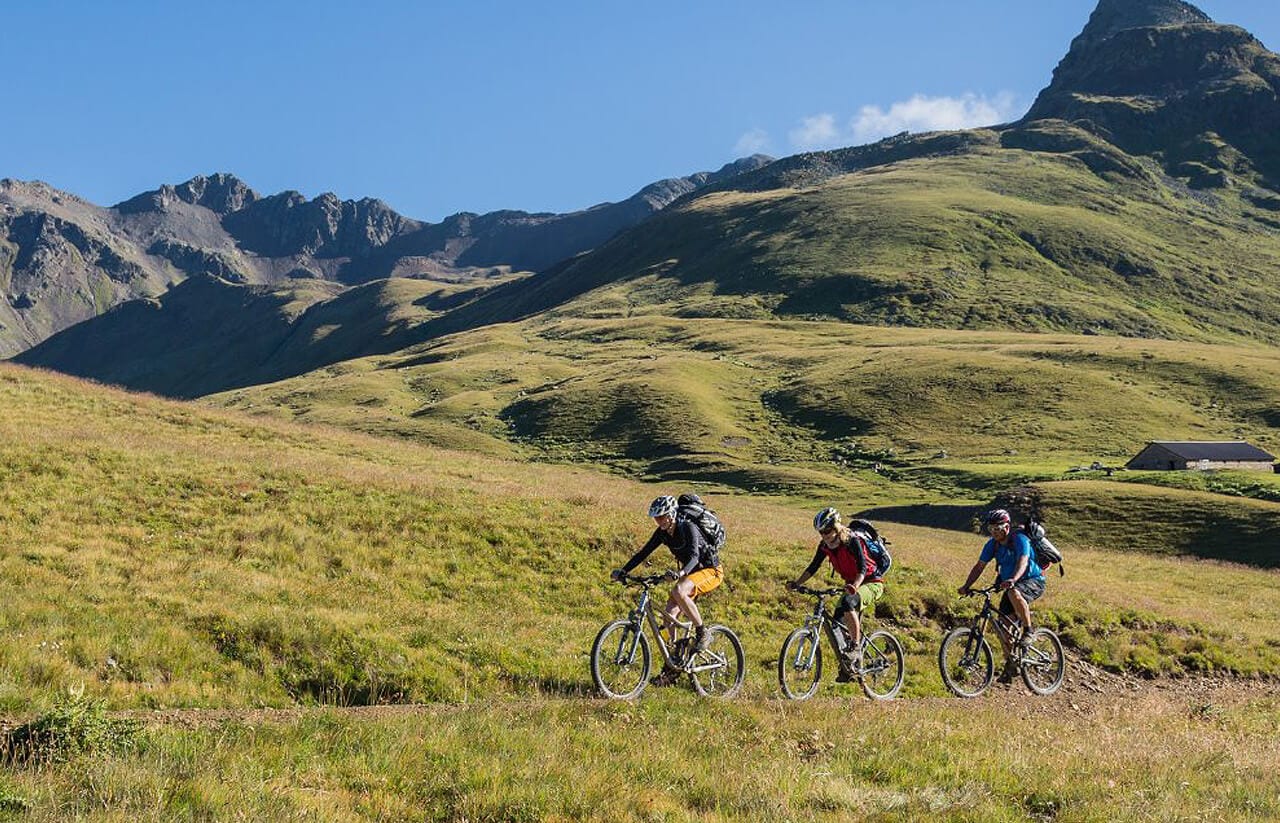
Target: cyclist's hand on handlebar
x,y
673,574
792,585
617,575
965,591
1004,585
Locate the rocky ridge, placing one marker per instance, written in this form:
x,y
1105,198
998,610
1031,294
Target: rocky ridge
x,y
64,260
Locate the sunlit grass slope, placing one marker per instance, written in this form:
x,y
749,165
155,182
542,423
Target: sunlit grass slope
x,y
800,407
160,554
167,554
990,236
1149,756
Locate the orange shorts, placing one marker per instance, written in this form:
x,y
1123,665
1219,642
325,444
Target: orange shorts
x,y
706,580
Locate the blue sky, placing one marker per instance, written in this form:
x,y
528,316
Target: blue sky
x,y
441,107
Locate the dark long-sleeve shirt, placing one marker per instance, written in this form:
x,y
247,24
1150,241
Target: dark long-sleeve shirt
x,y
687,544
849,559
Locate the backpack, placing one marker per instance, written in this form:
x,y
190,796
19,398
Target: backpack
x,y
691,507
1046,553
877,546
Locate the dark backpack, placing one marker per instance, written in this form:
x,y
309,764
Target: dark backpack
x,y
877,546
1046,553
691,507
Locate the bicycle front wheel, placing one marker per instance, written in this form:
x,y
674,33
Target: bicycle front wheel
x,y
1043,663
620,660
718,671
966,663
800,664
882,667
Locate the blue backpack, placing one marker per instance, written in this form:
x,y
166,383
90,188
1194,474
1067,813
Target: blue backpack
x,y
877,545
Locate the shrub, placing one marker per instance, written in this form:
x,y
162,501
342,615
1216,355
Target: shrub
x,y
77,725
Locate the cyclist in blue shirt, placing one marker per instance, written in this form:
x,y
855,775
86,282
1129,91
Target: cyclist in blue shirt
x,y
1017,575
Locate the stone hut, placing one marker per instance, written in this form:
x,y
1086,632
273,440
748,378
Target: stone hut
x,y
1193,455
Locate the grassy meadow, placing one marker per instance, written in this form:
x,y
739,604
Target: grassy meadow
x,y
799,407
164,558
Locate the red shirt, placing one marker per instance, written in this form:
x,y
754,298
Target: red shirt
x,y
850,561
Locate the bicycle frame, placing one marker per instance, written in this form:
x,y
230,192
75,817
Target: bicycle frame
x,y
989,615
644,613
820,618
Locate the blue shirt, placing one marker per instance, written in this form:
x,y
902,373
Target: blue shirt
x,y
1007,557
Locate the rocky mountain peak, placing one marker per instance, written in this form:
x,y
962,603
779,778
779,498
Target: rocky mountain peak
x,y
220,193
1160,78
1113,16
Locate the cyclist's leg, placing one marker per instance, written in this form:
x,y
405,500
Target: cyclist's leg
x,y
868,594
1008,612
685,593
1022,594
848,612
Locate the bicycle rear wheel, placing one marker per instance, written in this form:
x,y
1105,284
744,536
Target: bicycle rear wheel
x,y
965,662
718,671
1043,663
800,664
882,666
620,660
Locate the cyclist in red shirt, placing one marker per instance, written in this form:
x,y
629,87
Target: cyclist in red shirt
x,y
847,551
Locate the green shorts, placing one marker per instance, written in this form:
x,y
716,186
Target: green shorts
x,y
861,600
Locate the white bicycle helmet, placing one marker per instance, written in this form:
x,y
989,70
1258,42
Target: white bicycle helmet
x,y
828,518
664,506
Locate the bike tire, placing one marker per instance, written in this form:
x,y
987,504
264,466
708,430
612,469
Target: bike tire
x,y
800,664
882,666
1044,666
965,661
614,667
725,679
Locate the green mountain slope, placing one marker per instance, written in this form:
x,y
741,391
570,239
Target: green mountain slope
x,y
166,554
991,237
1136,198
802,407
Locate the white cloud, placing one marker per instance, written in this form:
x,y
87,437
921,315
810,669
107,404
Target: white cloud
x,y
817,132
755,141
918,114
922,113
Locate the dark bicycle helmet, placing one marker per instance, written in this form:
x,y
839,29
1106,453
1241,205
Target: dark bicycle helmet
x,y
828,518
995,517
664,506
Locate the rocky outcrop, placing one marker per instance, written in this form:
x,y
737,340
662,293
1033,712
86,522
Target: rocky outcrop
x,y
1159,78
1114,16
289,224
220,193
64,260
61,263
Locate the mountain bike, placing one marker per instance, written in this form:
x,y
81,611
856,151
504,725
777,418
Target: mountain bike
x,y
878,662
967,665
621,660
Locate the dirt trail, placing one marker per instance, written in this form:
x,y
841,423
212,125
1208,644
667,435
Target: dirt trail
x,y
1086,690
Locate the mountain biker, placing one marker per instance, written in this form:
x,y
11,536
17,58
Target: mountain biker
x,y
847,551
1017,575
699,571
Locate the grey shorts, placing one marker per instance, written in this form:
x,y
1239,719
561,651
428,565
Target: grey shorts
x,y
1031,588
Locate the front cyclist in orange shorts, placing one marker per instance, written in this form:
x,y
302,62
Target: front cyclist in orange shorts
x,y
699,571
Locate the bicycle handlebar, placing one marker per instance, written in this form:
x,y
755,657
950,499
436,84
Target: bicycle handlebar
x,y
988,590
649,580
818,592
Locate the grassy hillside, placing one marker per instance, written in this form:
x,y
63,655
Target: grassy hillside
x,y
798,407
163,555
1044,228
207,334
1138,756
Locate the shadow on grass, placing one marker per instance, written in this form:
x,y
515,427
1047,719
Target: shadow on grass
x,y
929,515
548,685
